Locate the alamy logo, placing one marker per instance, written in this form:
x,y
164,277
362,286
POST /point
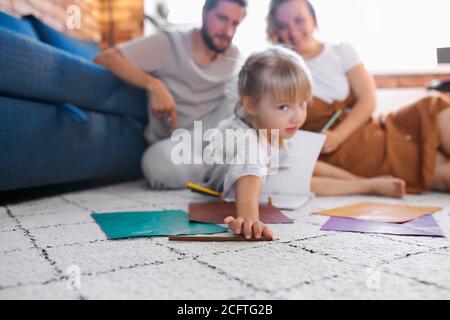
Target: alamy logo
x,y
232,147
73,21
373,281
73,277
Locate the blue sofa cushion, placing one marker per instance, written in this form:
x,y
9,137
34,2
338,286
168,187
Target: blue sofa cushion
x,y
86,49
43,144
19,25
37,71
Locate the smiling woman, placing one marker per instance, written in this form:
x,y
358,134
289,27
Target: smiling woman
x,y
373,27
412,144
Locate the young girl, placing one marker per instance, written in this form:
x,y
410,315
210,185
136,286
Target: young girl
x,y
274,88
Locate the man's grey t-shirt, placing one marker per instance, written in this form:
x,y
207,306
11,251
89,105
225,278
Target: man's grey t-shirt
x,y
201,92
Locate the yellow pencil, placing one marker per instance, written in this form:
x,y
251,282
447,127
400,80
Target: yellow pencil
x,y
331,121
196,188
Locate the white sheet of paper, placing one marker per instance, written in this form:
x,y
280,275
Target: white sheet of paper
x,y
290,188
288,201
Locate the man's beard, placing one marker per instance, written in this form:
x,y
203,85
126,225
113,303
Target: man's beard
x,y
209,41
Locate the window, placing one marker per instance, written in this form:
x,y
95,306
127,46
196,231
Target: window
x,y
388,34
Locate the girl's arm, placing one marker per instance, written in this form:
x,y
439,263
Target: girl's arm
x,y
248,192
363,86
323,169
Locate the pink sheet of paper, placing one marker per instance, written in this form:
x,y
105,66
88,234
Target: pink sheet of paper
x,y
216,212
422,226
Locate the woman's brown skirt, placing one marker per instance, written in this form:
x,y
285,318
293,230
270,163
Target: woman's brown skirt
x,y
404,143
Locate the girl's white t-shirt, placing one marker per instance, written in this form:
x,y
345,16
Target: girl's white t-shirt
x,y
329,69
256,159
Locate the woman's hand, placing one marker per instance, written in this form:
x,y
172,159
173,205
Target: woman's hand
x,y
250,228
332,142
162,102
363,86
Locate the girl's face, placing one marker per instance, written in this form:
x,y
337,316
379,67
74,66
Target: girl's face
x,y
295,25
284,116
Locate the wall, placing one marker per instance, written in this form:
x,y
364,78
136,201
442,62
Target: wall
x,y
408,81
104,21
128,18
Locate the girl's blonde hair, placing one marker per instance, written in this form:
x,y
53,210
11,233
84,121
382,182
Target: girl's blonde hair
x,y
277,73
271,22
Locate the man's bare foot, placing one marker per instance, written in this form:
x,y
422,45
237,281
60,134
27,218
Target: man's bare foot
x,y
388,186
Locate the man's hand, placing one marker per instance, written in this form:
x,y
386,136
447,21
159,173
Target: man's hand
x,y
162,102
249,227
332,142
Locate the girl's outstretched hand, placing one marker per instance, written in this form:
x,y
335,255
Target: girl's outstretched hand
x,y
250,228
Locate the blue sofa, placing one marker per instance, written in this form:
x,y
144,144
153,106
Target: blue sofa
x,y
63,119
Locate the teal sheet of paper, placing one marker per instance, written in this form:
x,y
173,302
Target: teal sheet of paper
x,y
119,225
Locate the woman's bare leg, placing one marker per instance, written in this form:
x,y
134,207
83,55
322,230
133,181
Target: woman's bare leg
x,y
382,186
323,169
444,131
441,179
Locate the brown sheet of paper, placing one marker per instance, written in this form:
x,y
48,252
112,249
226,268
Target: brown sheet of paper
x,y
376,211
230,237
216,212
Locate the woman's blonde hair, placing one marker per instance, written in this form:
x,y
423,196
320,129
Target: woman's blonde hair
x,y
271,21
277,73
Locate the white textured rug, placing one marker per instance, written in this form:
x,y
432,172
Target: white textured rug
x,y
52,249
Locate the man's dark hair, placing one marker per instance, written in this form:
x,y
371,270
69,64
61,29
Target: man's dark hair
x,y
211,4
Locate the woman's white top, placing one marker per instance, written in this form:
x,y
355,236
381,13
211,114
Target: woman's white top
x,y
329,69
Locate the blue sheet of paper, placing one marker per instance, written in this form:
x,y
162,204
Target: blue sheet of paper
x,y
119,225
